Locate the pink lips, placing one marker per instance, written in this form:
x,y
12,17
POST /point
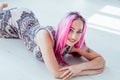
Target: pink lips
x,y
71,40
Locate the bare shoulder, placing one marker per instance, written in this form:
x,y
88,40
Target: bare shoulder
x,y
86,49
43,36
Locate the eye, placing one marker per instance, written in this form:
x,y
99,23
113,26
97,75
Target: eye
x,y
79,32
71,30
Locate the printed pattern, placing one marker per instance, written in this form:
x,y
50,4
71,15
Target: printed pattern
x,y
26,28
6,29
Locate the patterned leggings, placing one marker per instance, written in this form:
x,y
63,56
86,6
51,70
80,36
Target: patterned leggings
x,y
21,24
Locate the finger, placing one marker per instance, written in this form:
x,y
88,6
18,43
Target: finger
x,y
67,77
64,68
65,73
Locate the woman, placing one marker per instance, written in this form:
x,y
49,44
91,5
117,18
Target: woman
x,y
51,46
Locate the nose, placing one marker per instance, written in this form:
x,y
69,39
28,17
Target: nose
x,y
73,37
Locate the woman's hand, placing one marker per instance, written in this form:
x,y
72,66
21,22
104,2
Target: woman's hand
x,y
70,71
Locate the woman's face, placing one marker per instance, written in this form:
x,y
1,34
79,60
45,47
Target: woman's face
x,y
75,32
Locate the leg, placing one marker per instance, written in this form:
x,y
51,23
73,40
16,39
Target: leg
x,y
7,30
22,23
28,23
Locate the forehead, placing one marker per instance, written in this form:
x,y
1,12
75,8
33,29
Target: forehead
x,y
78,24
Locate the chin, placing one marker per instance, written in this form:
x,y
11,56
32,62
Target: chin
x,y
70,43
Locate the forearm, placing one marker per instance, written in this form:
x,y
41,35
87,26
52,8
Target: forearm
x,y
96,63
95,66
90,72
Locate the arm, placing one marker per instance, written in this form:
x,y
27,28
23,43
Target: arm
x,y
96,61
94,65
44,41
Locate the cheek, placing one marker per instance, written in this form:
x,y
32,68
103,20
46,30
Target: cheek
x,y
69,34
78,37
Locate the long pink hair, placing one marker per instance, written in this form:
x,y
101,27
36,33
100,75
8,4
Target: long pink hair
x,y
62,32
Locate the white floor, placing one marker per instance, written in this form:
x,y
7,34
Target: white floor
x,y
103,36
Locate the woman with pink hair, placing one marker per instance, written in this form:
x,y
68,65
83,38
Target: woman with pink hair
x,y
51,46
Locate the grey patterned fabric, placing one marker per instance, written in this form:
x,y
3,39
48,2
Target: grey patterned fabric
x,y
22,24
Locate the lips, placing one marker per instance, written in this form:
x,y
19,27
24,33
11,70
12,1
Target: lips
x,y
71,40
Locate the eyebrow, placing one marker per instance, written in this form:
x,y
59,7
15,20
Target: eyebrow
x,y
74,28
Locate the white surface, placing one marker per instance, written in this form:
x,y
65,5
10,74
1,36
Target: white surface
x,y
17,63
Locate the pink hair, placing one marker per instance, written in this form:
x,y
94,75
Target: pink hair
x,y
62,32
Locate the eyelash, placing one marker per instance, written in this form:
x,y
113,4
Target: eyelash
x,y
79,32
73,31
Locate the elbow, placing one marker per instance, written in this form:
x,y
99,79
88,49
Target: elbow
x,y
100,70
101,62
56,75
101,65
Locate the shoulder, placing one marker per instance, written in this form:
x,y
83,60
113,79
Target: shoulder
x,y
43,36
43,32
85,48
